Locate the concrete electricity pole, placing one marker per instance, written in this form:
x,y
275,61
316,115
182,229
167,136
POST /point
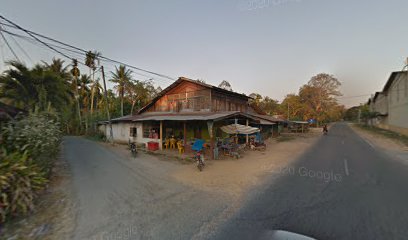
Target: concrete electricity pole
x,y
110,138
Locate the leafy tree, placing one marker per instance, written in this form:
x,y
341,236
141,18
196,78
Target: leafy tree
x,y
292,107
318,96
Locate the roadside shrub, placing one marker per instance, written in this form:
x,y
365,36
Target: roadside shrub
x,y
20,179
37,134
30,145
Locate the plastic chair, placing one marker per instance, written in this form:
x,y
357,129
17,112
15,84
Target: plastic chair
x,y
172,143
166,143
180,147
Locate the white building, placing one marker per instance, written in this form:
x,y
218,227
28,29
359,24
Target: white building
x,y
391,105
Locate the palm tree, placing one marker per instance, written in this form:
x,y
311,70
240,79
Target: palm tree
x,y
121,77
17,86
57,66
84,82
76,73
26,88
92,61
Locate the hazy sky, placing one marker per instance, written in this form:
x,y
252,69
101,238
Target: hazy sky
x,y
269,47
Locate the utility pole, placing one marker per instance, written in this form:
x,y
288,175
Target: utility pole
x,y
288,111
110,138
359,114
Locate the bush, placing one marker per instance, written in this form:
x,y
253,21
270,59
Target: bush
x,y
20,178
30,145
38,134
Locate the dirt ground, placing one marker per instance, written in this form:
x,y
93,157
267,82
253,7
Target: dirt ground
x,y
392,147
235,176
52,217
380,140
225,181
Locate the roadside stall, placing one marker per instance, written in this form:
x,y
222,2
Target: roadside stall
x,y
230,146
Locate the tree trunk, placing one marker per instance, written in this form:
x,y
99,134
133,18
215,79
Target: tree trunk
x,y
92,92
133,105
78,106
121,106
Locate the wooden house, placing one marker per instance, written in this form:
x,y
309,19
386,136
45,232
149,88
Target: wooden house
x,y
187,109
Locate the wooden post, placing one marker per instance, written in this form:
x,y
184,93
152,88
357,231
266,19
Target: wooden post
x,y
212,142
161,136
247,136
185,135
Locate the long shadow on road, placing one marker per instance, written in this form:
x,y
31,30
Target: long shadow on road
x,y
118,198
342,188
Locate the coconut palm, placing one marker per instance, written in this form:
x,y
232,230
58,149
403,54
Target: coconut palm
x,y
27,88
121,77
84,90
17,86
92,61
57,66
76,73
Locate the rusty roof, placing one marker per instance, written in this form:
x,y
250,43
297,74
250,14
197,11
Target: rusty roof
x,y
180,80
182,116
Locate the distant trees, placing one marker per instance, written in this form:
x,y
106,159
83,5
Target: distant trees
x,y
266,104
314,100
225,85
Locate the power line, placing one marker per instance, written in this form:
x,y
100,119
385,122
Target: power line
x,y
33,34
8,45
22,49
33,41
356,96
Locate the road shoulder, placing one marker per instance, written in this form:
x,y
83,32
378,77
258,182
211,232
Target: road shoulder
x,y
392,147
53,216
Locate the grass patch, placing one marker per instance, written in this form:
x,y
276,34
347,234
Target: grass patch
x,y
386,133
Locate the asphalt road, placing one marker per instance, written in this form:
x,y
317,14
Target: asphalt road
x,y
123,198
342,188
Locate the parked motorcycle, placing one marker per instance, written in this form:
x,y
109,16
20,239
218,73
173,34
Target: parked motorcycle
x,y
133,149
199,157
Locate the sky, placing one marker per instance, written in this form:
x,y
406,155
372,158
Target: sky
x,y
270,47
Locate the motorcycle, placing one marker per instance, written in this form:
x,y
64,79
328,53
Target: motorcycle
x,y
199,157
325,131
133,149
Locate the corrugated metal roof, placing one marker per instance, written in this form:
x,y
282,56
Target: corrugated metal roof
x,y
267,118
239,129
198,116
189,116
265,122
181,116
180,80
391,79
